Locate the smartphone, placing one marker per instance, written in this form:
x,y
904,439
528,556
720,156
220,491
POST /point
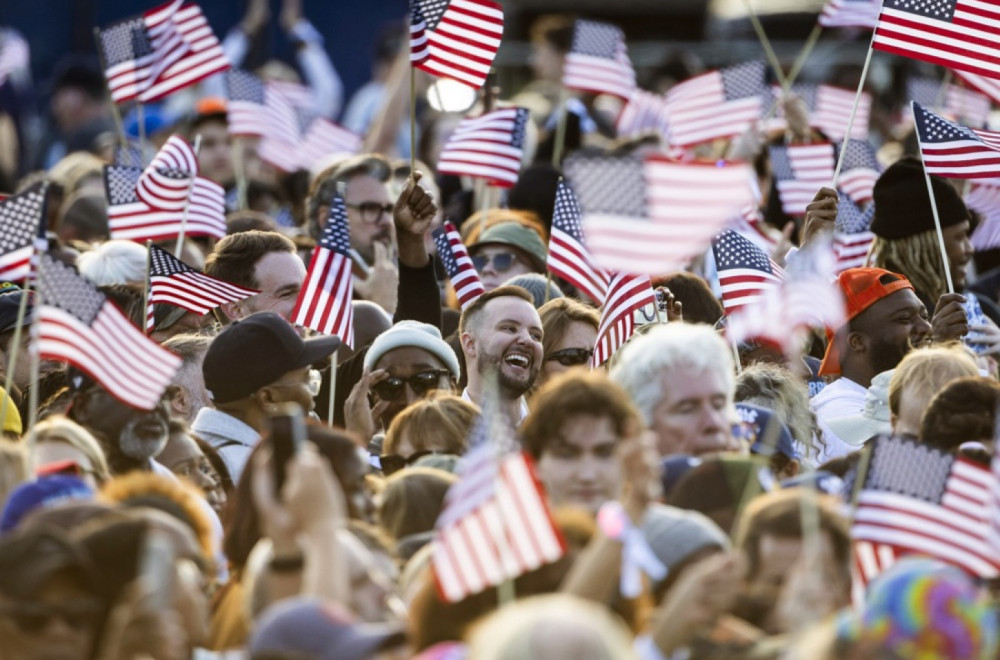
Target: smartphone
x,y
156,568
288,432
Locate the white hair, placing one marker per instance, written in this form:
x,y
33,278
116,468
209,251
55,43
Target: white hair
x,y
114,262
666,348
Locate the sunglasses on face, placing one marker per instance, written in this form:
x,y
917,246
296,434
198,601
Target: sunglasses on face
x,y
391,388
502,261
371,211
36,617
394,462
571,357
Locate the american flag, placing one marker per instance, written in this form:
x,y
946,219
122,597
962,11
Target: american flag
x,y
716,104
455,39
173,282
495,524
984,198
850,13
455,258
653,216
852,236
324,138
247,112
159,52
569,257
750,224
324,304
489,147
626,294
807,298
166,182
281,143
920,500
598,61
78,325
130,218
955,102
745,271
959,34
859,170
955,151
643,113
829,110
22,217
988,86
799,171
14,54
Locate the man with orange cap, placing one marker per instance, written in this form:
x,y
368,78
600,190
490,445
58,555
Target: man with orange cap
x,y
885,320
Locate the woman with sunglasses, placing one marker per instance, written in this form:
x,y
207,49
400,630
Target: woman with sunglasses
x,y
569,332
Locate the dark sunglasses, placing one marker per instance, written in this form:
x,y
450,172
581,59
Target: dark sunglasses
x,y
571,357
394,462
391,388
35,617
502,261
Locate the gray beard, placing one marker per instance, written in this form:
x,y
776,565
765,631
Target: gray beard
x,y
140,449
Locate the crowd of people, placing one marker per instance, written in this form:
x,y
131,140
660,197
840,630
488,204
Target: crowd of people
x,y
703,490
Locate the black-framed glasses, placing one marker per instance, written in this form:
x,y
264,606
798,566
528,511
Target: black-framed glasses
x,y
571,357
391,388
371,212
394,462
502,261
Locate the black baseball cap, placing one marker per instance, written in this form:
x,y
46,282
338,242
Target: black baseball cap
x,y
257,351
10,301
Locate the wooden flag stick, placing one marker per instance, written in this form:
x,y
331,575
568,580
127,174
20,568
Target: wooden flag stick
x,y
413,120
943,92
333,388
141,118
800,59
187,205
854,112
33,391
560,136
115,111
937,223
772,57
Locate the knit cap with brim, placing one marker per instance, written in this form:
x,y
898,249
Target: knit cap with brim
x,y
903,207
676,534
516,235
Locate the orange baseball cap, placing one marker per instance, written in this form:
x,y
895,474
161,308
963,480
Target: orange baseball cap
x,y
862,288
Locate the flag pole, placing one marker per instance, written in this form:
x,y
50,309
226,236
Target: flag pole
x,y
145,290
413,120
854,112
239,171
333,388
736,355
35,367
937,222
772,57
801,58
14,349
187,204
115,111
560,137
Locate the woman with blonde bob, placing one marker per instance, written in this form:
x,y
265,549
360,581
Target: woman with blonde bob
x,y
61,439
438,424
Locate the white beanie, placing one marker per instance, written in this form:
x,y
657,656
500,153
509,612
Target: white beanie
x,y
416,334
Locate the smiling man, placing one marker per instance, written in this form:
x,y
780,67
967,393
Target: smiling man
x,y
501,337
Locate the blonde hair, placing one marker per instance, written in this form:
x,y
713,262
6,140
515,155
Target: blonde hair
x,y
923,372
62,429
917,257
531,627
75,168
412,499
13,466
442,417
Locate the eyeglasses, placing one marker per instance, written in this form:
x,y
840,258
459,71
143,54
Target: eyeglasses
x,y
391,388
371,212
502,261
571,357
35,617
394,462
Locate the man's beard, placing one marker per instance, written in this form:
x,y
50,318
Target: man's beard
x,y
141,446
511,386
887,355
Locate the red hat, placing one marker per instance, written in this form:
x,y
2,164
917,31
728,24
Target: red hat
x,y
862,288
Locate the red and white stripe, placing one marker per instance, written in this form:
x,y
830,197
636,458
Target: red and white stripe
x,y
851,249
699,111
481,147
812,165
850,13
324,304
463,43
161,191
626,294
324,138
206,216
833,111
569,259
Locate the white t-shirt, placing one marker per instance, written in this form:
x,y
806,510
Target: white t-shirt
x,y
840,398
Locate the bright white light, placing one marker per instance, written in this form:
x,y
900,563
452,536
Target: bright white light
x,y
447,95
